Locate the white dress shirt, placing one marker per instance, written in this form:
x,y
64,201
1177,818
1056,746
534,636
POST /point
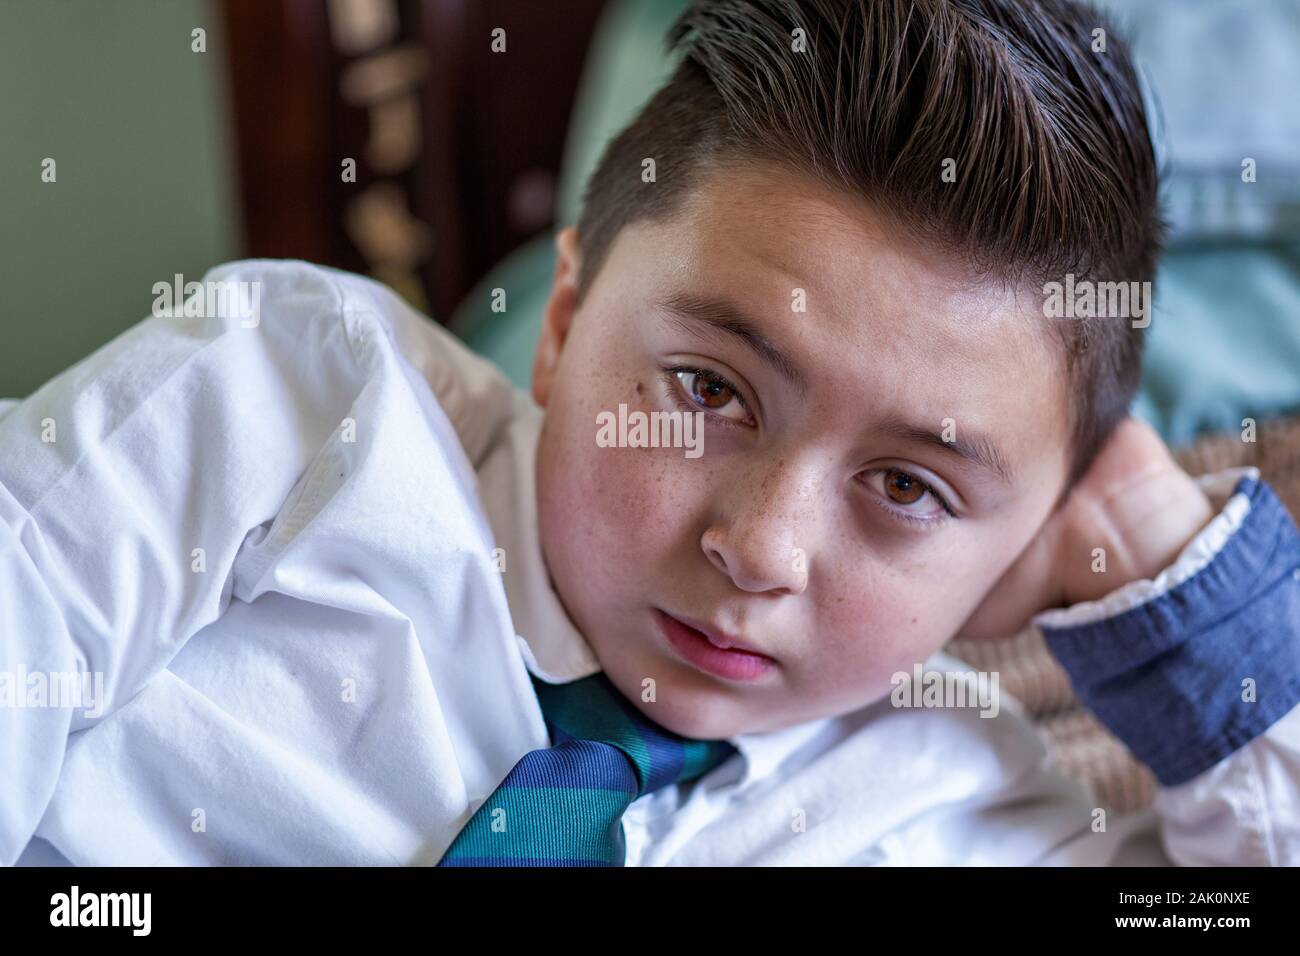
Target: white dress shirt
x,y
276,545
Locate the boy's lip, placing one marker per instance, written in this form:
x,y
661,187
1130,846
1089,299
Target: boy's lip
x,y
717,636
697,648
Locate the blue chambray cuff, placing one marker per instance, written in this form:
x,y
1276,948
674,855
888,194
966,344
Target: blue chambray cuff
x,y
1189,677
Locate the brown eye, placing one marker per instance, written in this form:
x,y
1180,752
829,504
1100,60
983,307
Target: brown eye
x,y
712,393
903,488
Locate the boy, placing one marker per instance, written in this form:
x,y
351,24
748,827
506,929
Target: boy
x,y
335,571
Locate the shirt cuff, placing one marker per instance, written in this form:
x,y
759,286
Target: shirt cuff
x,y
1191,665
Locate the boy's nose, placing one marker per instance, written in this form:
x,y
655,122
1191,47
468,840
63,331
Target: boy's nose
x,y
762,534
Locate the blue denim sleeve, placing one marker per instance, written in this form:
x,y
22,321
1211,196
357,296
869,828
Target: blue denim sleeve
x,y
1187,678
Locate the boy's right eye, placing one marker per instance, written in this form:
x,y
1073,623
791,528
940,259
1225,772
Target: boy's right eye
x,y
701,389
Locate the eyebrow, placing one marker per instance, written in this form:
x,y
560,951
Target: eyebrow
x,y
974,448
725,317
682,308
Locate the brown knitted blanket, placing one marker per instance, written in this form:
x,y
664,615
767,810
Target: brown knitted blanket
x,y
1076,741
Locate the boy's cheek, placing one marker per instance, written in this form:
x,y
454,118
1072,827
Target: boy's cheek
x,y
606,510
906,620
919,598
861,676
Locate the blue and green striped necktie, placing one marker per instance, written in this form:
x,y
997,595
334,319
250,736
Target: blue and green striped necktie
x,y
563,805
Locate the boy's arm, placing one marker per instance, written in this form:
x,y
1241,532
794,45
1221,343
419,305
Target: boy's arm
x,y
1197,670
1184,638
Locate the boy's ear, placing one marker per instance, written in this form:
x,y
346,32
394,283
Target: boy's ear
x,y
559,313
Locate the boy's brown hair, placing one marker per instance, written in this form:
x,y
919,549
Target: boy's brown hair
x,y
1054,167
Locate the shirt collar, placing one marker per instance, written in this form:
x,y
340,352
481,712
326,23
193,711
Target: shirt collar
x,y
763,753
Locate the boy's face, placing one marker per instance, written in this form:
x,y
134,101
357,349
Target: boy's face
x,y
790,532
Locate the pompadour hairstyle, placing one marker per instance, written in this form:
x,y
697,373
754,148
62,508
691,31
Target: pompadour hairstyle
x,y
1055,168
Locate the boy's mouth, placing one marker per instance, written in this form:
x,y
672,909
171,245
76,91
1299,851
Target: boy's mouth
x,y
713,650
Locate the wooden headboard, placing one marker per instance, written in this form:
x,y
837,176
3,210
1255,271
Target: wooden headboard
x,y
453,113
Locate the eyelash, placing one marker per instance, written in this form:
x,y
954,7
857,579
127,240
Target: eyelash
x,y
670,373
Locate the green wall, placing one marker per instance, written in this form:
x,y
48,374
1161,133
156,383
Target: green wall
x,y
138,127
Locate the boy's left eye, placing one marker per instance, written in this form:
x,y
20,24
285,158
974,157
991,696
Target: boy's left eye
x,y
903,490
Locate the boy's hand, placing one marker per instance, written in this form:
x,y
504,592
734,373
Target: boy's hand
x,y
1135,503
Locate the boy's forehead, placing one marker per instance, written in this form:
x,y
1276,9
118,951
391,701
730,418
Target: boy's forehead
x,y
783,224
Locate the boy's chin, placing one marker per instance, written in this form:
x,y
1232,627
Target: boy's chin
x,y
697,718
688,715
